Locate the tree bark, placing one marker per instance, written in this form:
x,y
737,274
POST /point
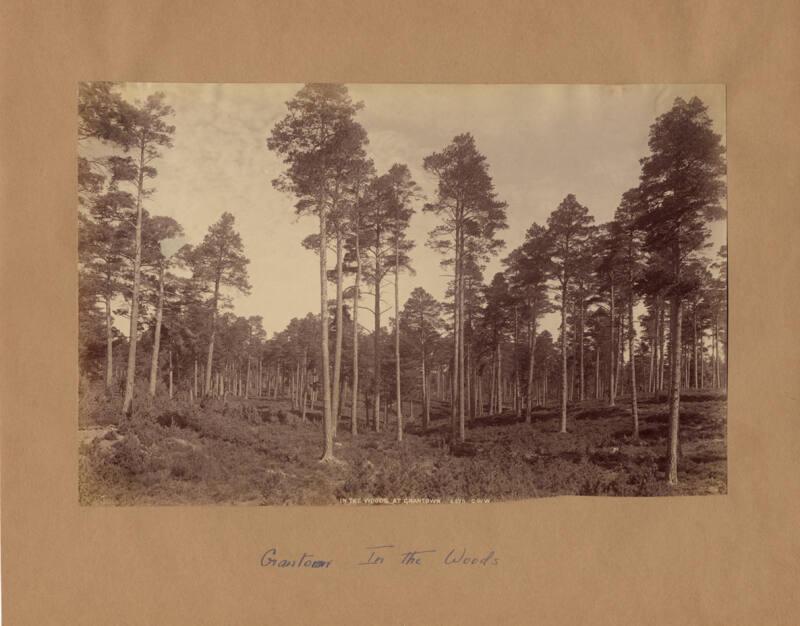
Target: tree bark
x,y
660,373
397,335
531,361
157,333
564,353
327,415
356,299
377,344
611,353
456,334
675,389
620,349
109,345
694,348
597,372
582,395
426,409
210,358
127,402
517,404
337,356
631,338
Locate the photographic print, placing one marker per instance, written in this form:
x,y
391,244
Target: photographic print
x,y
400,294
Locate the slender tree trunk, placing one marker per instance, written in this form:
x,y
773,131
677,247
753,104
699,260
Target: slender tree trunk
x,y
426,414
210,358
493,385
356,300
468,381
631,340
597,372
517,404
661,347
675,389
716,354
611,353
694,347
109,345
620,349
137,264
499,379
582,395
327,414
170,374
544,403
456,335
651,366
247,380
461,345
531,365
157,334
397,335
564,353
304,394
377,346
337,357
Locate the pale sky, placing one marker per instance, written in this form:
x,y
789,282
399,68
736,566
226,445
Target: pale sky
x,y
542,142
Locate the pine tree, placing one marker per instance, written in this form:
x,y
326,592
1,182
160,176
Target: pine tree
x,y
318,139
529,268
568,229
470,215
682,186
218,262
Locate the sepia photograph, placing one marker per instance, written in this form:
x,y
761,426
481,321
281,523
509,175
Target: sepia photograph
x,y
361,294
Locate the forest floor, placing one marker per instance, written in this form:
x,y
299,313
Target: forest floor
x,y
260,452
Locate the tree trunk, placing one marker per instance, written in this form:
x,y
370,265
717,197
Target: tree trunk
x,y
493,385
620,349
210,358
597,372
356,300
675,389
170,374
651,366
531,362
631,338
337,357
377,346
564,354
694,348
327,415
611,353
137,263
426,407
456,336
109,345
499,408
661,360
462,433
247,380
582,395
397,335
517,404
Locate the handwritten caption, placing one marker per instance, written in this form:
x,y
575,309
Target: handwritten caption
x,y
385,555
